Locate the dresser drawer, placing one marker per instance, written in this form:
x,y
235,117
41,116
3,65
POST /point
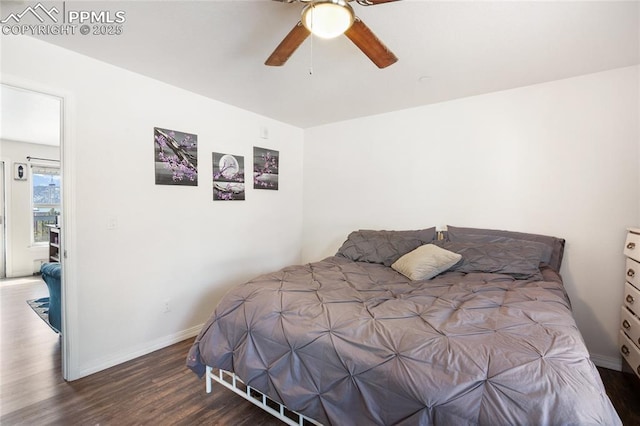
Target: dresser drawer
x,y
632,298
632,246
630,324
632,272
630,352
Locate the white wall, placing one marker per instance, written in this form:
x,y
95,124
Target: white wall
x,y
559,158
21,253
171,243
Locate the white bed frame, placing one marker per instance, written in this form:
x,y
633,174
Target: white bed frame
x,y
233,382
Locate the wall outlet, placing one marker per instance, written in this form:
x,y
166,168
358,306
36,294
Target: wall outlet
x,y
167,306
112,223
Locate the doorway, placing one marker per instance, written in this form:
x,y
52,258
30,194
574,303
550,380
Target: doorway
x,y
31,195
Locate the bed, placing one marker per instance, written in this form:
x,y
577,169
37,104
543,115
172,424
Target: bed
x,y
400,327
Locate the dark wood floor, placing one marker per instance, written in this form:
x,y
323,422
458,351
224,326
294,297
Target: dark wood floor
x,y
154,389
624,392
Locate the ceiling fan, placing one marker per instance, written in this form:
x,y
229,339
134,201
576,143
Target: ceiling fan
x,y
328,19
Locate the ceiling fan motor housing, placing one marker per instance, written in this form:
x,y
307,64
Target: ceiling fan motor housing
x,y
328,18
327,12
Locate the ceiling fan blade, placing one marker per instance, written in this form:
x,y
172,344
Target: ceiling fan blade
x,y
373,2
370,45
288,45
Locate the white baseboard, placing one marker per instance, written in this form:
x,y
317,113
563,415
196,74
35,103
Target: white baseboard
x,y
612,363
135,352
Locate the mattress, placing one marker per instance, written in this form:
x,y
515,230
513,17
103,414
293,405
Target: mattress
x,y
352,343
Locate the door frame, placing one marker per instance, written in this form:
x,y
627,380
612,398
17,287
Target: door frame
x,y
3,220
68,346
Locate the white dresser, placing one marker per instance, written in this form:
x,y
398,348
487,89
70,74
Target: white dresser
x,y
630,319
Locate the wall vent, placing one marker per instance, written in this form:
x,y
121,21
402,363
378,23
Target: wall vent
x,y
37,264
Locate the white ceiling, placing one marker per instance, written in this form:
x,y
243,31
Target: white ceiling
x,y
446,50
27,116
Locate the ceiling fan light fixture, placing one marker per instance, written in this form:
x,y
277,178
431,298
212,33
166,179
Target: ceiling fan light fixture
x,y
328,18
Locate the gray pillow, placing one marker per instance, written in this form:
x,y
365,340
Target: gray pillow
x,y
384,247
519,259
553,247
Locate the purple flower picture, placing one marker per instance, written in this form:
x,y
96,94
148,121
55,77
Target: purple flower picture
x,y
265,168
176,157
228,177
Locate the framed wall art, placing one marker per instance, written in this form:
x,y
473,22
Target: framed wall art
x,y
228,177
265,168
176,157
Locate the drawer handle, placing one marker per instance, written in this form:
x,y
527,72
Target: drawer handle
x,y
629,298
625,350
626,324
631,273
631,246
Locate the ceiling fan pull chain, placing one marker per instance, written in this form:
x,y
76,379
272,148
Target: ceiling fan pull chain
x,y
311,57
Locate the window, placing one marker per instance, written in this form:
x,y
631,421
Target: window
x,y
45,201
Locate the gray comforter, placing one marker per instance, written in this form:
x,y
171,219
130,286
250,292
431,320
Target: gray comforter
x,y
353,343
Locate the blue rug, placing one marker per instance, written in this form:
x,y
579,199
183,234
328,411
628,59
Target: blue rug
x,y
41,308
